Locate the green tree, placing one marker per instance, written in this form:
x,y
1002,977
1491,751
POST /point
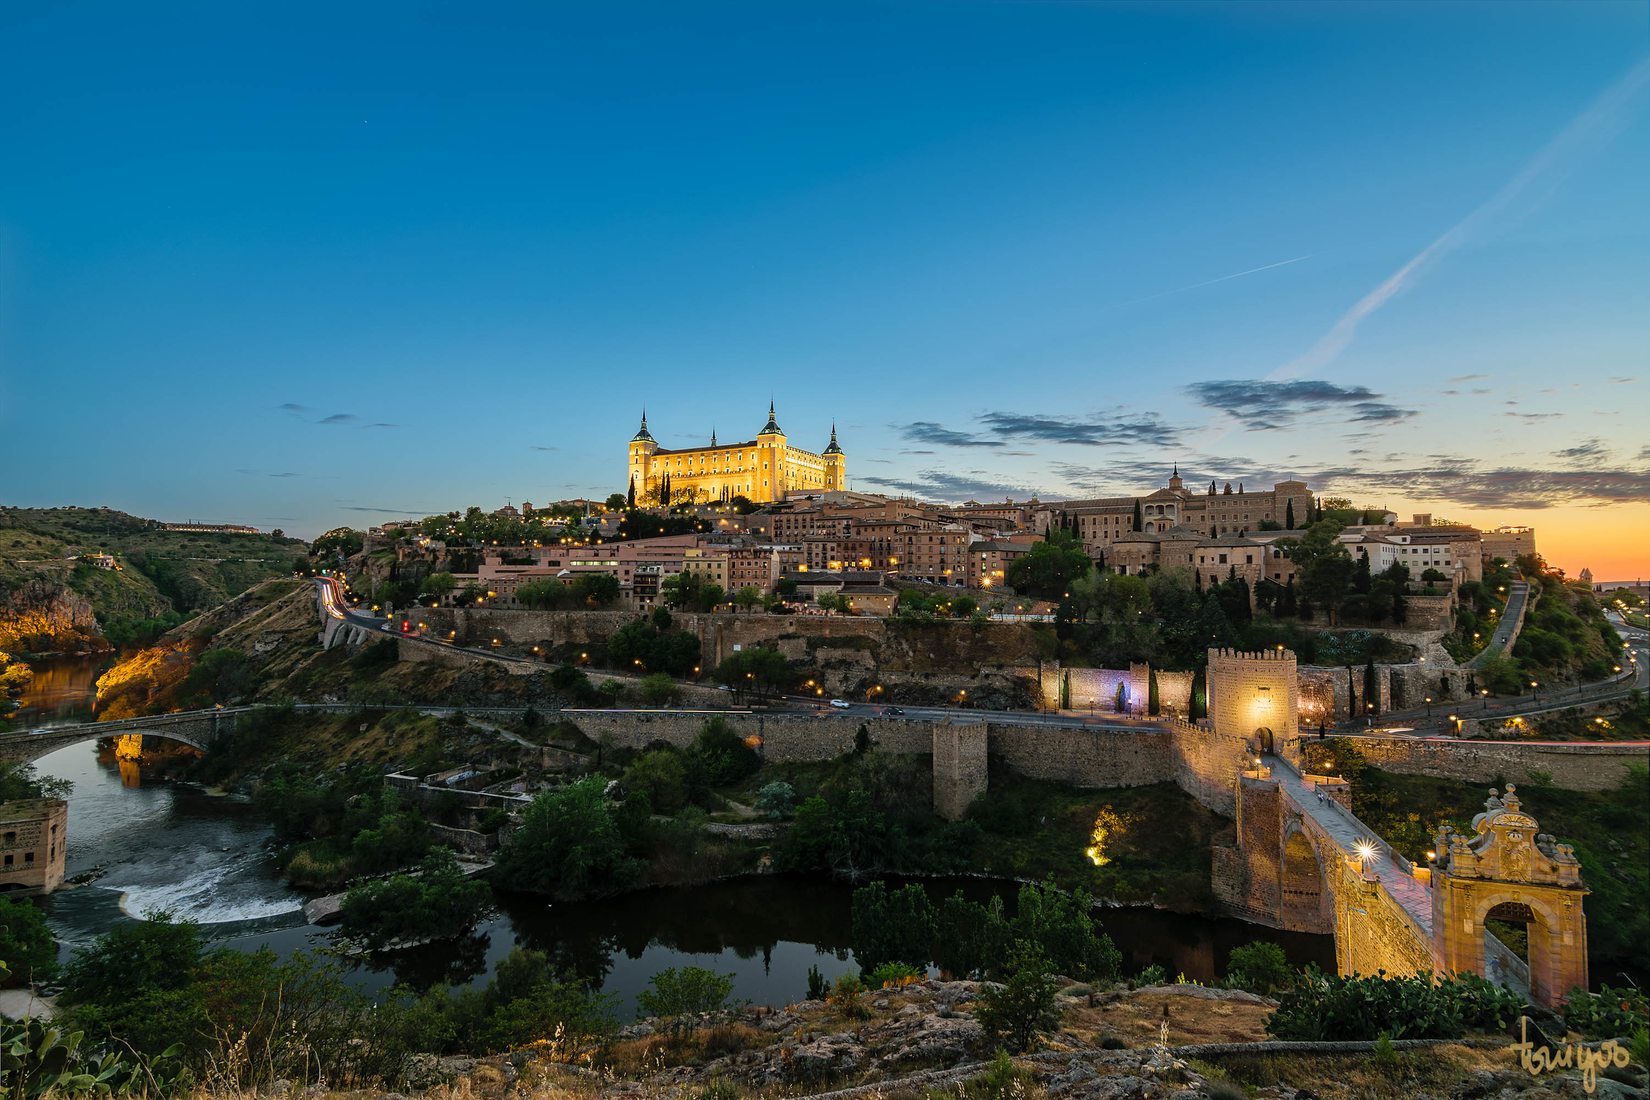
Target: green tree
x,y
756,668
660,776
892,926
26,944
440,585
1049,567
657,689
725,756
544,594
971,939
20,781
1214,628
436,903
598,589
1061,926
1022,1008
846,835
136,985
568,844
747,596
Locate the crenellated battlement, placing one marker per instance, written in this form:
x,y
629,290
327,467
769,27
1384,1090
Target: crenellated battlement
x,y
1284,656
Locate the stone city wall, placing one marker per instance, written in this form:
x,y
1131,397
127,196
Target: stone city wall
x,y
1324,690
1086,757
1093,758
1206,764
1095,689
900,647
1574,767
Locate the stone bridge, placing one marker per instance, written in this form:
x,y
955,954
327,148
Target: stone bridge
x,y
196,728
1303,862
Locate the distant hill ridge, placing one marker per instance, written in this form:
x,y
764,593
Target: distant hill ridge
x,y
77,578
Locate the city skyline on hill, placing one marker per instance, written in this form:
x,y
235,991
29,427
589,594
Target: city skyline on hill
x,y
268,275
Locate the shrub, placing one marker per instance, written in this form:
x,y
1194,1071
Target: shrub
x,y
818,988
776,800
893,974
679,996
1259,967
848,994
1152,975
1608,1014
1326,1007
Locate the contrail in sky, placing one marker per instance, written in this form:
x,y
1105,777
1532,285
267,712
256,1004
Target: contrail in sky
x,y
1212,282
1557,157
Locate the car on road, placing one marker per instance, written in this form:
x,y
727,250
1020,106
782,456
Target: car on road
x,y
841,704
894,710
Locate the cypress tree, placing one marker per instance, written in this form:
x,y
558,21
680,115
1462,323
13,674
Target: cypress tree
x,y
1351,694
1154,702
630,496
1286,604
1371,696
1138,524
1289,516
1198,705
1360,576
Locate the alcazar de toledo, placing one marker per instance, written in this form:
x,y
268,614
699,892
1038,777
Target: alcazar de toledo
x,y
764,470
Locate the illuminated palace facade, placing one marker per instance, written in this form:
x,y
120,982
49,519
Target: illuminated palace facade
x,y
764,469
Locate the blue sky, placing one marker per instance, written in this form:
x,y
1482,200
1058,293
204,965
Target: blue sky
x,y
302,265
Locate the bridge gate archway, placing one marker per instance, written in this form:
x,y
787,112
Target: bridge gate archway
x,y
1509,870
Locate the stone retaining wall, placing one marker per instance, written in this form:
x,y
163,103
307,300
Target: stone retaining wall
x,y
1573,767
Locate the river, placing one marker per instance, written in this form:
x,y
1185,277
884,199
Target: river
x,y
147,845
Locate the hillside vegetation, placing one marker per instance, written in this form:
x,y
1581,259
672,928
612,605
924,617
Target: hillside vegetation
x,y
53,598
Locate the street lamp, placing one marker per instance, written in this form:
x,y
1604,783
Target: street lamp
x,y
1535,688
1429,706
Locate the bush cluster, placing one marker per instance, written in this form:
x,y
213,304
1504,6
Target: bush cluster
x,y
968,939
1329,1007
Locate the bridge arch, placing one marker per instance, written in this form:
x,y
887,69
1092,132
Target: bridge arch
x,y
27,747
1305,894
1545,925
1264,741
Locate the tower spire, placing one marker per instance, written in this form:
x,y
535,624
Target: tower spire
x,y
772,426
642,435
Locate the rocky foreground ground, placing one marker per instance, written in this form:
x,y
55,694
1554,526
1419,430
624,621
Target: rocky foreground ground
x,y
921,1041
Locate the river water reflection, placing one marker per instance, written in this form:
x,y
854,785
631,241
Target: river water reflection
x,y
148,845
